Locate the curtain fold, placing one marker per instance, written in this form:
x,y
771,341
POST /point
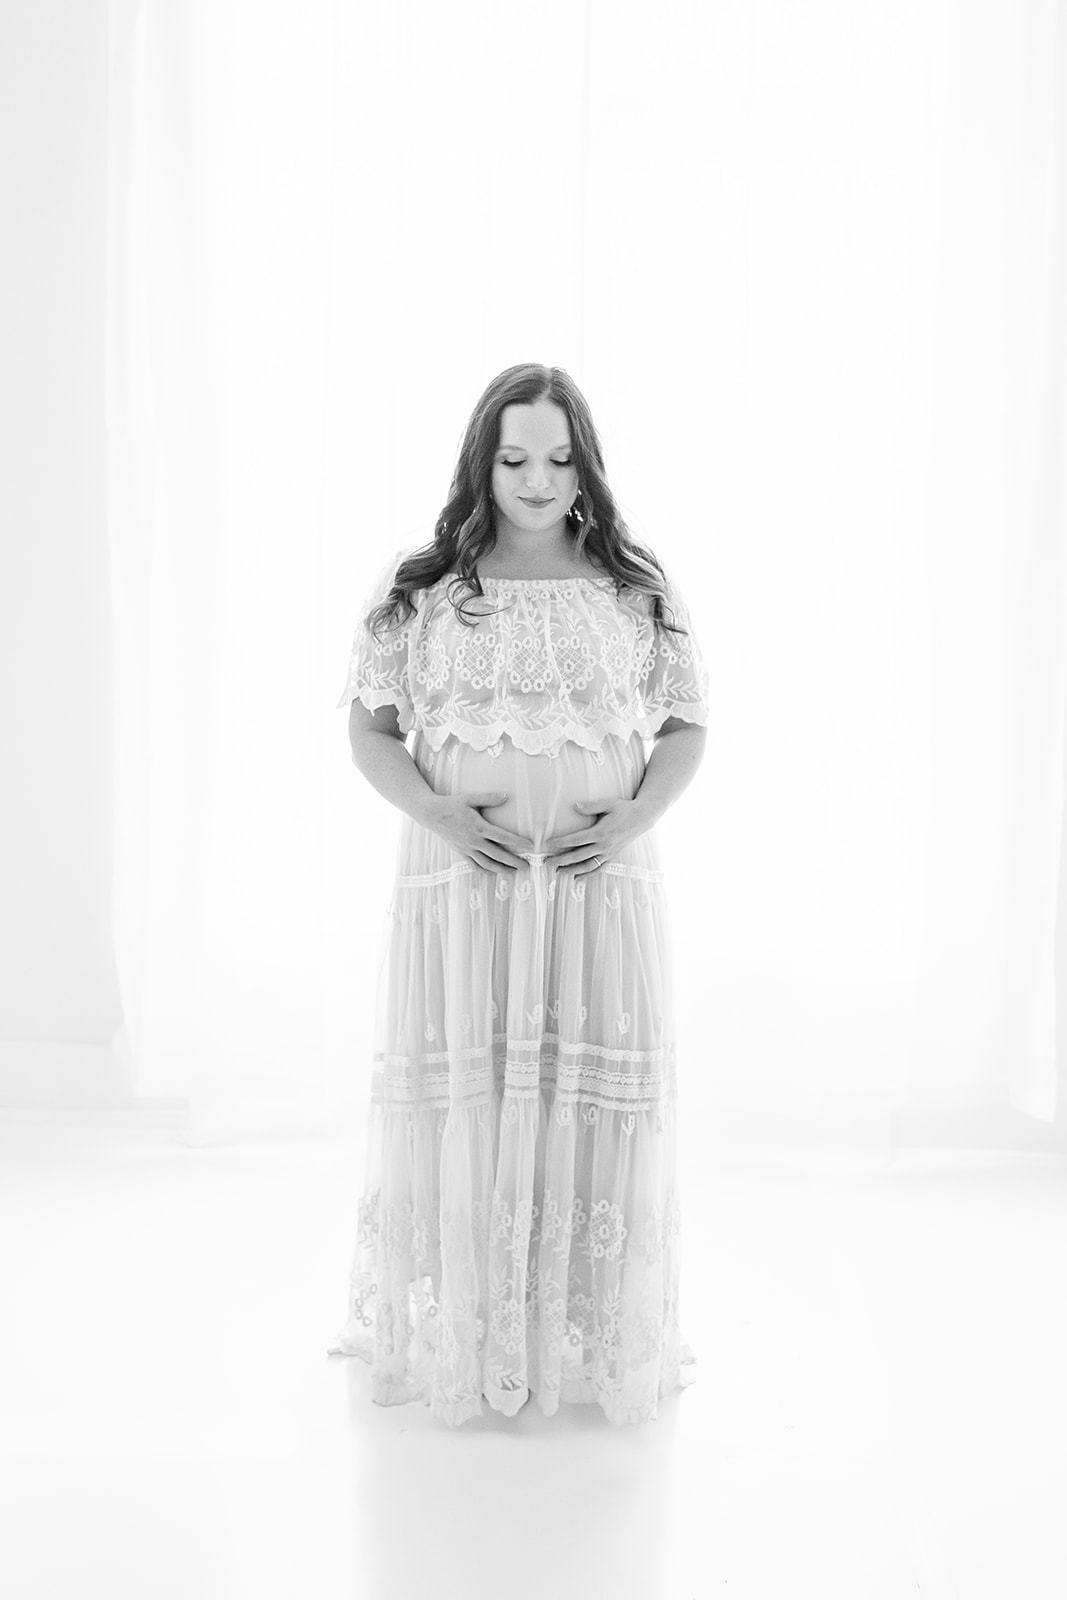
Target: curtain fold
x,y
811,277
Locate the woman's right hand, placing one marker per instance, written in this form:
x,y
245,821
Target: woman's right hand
x,y
456,818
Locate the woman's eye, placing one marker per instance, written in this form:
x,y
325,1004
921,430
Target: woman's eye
x,y
519,463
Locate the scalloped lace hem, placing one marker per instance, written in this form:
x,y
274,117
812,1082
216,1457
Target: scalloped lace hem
x,y
454,1410
533,741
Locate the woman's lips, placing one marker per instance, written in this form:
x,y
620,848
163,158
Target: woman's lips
x,y
526,501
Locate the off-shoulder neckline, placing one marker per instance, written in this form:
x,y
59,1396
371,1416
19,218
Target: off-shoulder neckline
x,y
578,577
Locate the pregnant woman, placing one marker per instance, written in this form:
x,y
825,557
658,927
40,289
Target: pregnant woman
x,y
519,1220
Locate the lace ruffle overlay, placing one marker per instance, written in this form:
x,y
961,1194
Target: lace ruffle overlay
x,y
554,660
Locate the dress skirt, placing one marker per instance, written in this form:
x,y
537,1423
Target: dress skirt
x,y
519,1221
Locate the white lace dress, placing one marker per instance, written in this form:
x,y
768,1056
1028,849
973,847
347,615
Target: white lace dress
x,y
519,1222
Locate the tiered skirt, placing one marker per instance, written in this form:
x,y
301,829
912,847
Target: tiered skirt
x,y
519,1223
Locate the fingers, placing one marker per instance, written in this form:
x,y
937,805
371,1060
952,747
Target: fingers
x,y
578,864
514,841
499,853
482,858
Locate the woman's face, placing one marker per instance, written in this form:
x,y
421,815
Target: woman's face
x,y
533,463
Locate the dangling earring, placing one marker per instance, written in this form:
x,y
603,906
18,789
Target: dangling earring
x,y
579,514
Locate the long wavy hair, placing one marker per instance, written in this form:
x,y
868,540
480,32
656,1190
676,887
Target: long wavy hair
x,y
464,531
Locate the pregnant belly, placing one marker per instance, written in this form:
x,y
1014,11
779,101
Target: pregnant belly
x,y
541,789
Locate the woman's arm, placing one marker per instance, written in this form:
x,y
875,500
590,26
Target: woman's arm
x,y
380,754
676,755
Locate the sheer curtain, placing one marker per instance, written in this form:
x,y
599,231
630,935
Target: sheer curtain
x,y
808,267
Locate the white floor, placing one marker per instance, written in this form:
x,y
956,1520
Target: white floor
x,y
880,1409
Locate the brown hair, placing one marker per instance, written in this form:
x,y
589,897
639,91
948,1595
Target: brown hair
x,y
464,530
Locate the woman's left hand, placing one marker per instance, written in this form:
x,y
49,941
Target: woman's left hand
x,y
621,822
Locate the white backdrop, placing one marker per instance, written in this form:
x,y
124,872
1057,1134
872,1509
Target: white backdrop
x,y
807,265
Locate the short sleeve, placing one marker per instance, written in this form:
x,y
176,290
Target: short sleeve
x,y
674,677
378,663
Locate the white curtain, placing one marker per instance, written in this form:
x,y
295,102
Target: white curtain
x,y
808,266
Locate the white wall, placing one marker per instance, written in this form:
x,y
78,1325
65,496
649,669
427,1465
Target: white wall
x,y
59,1004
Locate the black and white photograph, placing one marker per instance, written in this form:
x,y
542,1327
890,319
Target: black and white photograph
x,y
533,1011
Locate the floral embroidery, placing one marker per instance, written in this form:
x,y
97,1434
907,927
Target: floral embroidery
x,y
556,660
580,1301
606,1231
